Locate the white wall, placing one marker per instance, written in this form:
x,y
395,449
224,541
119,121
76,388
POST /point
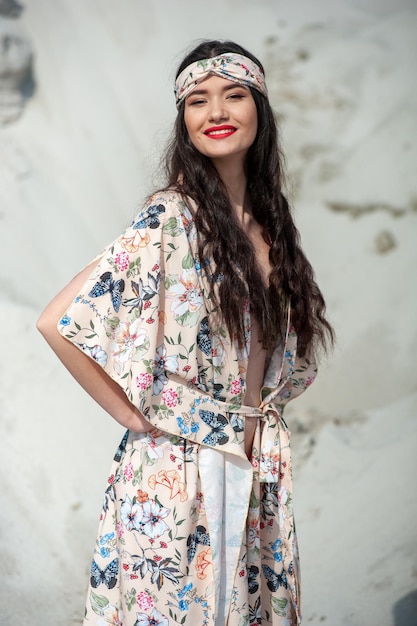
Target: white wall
x,y
73,169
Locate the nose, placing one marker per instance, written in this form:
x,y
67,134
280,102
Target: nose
x,y
217,111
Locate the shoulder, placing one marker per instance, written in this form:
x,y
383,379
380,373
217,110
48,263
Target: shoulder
x,y
165,219
166,212
167,203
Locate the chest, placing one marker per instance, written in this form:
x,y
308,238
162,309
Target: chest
x,y
261,247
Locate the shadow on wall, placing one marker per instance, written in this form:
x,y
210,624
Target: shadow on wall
x,y
17,82
405,610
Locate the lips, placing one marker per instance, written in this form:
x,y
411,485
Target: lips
x,y
220,132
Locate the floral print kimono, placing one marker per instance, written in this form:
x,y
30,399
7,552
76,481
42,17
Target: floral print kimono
x,y
191,531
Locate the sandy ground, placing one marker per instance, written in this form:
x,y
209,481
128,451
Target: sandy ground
x,y
342,79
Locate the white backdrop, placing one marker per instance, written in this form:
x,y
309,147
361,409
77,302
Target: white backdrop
x,y
73,169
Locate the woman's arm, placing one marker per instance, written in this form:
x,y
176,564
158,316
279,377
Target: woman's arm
x,y
105,391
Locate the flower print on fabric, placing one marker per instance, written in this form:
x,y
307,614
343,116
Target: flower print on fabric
x,y
107,543
144,381
147,517
269,460
203,561
218,351
96,353
172,481
236,387
133,241
144,600
285,508
158,336
121,260
65,321
162,364
154,619
252,535
112,614
170,397
131,514
153,524
187,221
128,471
151,449
130,343
187,298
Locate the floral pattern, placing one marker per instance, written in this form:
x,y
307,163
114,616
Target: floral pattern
x,y
191,531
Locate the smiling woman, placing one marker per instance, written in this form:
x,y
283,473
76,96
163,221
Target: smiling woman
x,y
193,329
221,121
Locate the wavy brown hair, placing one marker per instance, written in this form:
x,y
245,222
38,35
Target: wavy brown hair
x,y
221,238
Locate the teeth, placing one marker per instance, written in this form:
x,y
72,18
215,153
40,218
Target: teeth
x,y
221,132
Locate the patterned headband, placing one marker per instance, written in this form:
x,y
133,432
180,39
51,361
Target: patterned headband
x,y
230,66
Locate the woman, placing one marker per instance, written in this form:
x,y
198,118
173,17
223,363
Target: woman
x,y
200,322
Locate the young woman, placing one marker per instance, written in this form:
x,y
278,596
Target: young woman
x,y
193,330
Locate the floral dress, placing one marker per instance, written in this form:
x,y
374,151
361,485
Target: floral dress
x,y
191,532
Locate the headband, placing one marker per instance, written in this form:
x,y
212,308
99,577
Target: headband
x,y
231,66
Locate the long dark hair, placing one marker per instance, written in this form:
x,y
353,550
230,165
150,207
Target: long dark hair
x,y
221,238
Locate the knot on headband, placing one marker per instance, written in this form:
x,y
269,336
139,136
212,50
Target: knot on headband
x,y
231,66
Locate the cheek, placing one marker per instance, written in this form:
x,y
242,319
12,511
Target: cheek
x,y
191,128
253,121
254,130
191,121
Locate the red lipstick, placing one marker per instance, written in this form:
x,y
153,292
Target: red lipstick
x,y
220,132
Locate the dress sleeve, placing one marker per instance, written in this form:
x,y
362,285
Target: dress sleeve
x,y
118,319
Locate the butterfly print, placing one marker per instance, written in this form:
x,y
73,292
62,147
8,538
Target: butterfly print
x,y
217,424
253,584
106,284
203,337
162,500
217,389
108,576
274,580
200,536
151,219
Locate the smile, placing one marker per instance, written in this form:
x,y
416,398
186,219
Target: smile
x,y
220,132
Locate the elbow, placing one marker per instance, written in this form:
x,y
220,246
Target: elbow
x,y
40,323
46,325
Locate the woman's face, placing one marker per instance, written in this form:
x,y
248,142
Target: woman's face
x,y
221,119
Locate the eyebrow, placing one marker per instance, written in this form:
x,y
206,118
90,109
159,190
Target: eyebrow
x,y
199,92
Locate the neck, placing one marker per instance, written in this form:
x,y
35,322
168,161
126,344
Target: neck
x,y
235,181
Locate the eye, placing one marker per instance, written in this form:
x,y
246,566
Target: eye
x,y
236,96
195,101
